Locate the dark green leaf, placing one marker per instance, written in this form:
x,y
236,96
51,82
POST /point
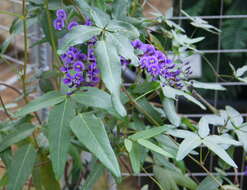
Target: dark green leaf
x,y
59,135
91,132
21,167
78,35
110,68
22,132
44,101
135,157
100,18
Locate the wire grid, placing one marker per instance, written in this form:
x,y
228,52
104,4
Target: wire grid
x,y
42,58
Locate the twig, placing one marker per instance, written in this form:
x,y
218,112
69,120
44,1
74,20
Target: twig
x,y
11,87
5,109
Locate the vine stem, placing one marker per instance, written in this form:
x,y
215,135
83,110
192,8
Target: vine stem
x,y
24,13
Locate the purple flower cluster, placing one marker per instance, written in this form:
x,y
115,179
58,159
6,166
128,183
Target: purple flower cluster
x,y
158,65
59,22
80,69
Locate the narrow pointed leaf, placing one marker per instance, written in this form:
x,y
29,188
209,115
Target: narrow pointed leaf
x,y
203,126
135,157
21,167
91,133
22,132
78,35
151,146
148,133
219,151
170,111
44,101
110,68
209,183
120,9
210,86
59,135
187,146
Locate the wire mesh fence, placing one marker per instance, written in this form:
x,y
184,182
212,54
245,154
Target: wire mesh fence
x,y
41,56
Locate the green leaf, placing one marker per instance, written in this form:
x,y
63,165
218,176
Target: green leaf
x,y
123,46
235,116
120,9
100,18
241,71
222,140
181,133
21,167
94,175
242,136
172,93
83,6
110,68
21,132
170,111
187,146
204,85
128,144
93,97
148,133
209,183
123,28
135,157
91,133
44,101
153,147
59,135
219,151
203,128
78,35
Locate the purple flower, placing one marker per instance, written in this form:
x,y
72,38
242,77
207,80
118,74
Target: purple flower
x,y
61,14
78,79
137,44
68,79
64,69
92,41
58,24
154,70
148,49
160,55
152,60
78,66
72,25
70,56
144,62
82,56
90,55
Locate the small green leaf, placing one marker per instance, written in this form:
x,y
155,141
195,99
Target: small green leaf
x,y
187,146
44,101
203,128
100,18
209,183
110,68
235,116
222,140
91,133
93,97
123,28
94,175
210,86
241,71
148,133
21,167
170,111
22,132
153,147
219,151
120,9
78,35
181,133
59,135
128,144
135,157
172,93
123,46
